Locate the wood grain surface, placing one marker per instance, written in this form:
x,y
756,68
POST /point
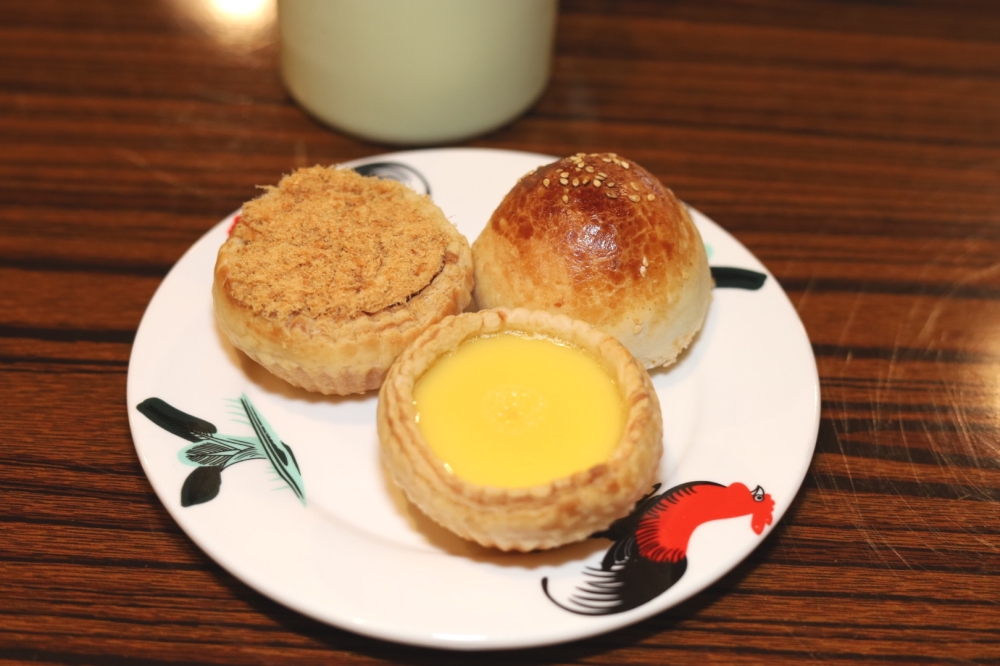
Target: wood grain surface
x,y
853,146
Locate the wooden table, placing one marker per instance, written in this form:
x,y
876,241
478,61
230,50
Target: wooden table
x,y
853,147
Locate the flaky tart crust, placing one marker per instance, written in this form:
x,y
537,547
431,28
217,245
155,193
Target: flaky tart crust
x,y
328,277
597,237
523,519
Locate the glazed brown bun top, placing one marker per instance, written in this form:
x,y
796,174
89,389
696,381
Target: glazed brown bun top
x,y
598,238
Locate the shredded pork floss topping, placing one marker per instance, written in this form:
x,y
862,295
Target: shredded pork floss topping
x,y
329,243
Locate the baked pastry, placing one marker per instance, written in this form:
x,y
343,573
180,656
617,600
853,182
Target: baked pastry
x,y
514,517
327,277
597,237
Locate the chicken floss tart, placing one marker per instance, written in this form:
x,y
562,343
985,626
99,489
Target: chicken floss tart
x,y
520,429
598,238
327,277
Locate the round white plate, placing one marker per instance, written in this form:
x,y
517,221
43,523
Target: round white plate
x,y
742,406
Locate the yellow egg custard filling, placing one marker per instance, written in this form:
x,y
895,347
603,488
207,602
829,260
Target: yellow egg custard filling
x,y
520,429
516,410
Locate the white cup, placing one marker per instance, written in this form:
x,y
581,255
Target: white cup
x,y
416,71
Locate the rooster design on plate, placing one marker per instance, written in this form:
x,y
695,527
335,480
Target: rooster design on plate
x,y
649,553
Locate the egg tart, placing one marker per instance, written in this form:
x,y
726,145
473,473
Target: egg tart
x,y
520,429
327,277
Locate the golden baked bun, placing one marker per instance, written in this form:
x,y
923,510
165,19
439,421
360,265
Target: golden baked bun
x,y
598,238
330,275
542,516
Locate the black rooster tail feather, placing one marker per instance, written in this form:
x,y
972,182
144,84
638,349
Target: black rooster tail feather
x,y
626,586
579,609
175,421
545,589
622,550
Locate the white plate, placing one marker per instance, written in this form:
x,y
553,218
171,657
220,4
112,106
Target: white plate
x,y
741,406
